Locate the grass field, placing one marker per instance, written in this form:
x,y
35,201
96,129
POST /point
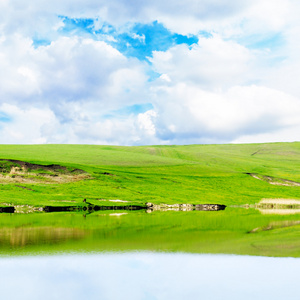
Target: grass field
x,y
158,174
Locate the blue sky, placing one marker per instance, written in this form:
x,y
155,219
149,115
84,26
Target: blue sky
x,y
135,73
135,40
4,117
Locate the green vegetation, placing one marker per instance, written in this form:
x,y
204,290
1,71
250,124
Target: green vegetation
x,y
6,166
233,231
158,174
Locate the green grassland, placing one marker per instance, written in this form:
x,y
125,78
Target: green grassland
x,y
194,174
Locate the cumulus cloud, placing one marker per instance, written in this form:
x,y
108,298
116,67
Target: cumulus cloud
x,y
238,82
183,17
74,80
212,63
68,70
115,12
41,125
22,126
220,117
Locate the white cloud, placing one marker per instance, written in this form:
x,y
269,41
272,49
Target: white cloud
x,y
222,117
272,14
212,63
65,89
38,126
284,74
146,122
70,69
25,125
290,134
185,17
216,91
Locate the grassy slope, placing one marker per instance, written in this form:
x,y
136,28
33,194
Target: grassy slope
x,y
160,174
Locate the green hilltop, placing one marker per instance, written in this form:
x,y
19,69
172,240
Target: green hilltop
x,y
232,174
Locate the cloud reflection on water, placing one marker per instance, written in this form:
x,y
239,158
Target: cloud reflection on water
x,y
146,275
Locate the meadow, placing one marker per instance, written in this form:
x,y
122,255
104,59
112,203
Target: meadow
x,y
198,174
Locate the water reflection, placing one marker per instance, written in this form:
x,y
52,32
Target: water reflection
x,y
279,206
148,275
137,255
234,231
23,236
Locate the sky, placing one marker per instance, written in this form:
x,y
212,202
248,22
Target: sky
x,y
149,72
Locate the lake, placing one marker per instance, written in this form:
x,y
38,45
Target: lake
x,y
236,253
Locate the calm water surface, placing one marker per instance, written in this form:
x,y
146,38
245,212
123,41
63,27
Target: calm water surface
x,y
232,254
146,275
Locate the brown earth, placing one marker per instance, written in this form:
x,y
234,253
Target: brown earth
x,y
16,171
274,180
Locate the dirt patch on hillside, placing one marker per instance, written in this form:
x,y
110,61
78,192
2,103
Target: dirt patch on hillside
x,y
274,180
16,171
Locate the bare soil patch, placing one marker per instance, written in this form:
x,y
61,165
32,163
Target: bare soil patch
x,y
274,180
16,171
